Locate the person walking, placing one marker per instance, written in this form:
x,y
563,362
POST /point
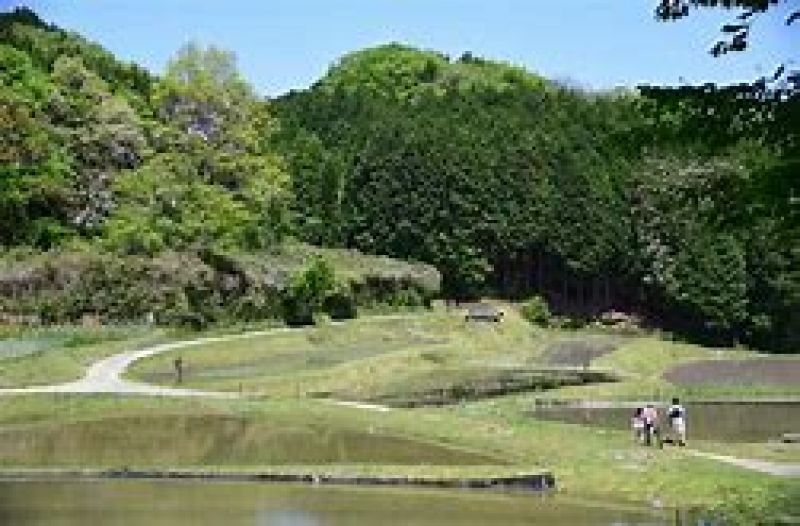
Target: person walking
x,y
651,425
178,365
637,423
677,421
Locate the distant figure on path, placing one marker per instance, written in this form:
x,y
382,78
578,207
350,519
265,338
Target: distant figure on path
x,y
178,363
637,423
677,421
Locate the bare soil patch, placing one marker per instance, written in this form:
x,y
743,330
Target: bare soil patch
x,y
737,372
578,352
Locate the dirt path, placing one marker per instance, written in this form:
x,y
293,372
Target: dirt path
x,y
363,406
105,376
762,466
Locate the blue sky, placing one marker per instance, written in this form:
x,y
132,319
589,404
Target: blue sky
x,y
284,44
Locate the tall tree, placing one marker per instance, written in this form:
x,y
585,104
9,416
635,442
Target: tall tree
x,y
35,183
102,133
211,179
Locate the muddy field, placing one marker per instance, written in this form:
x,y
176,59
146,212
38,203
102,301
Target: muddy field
x,y
579,352
738,372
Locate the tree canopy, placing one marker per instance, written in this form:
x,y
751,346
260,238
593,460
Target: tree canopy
x,y
737,34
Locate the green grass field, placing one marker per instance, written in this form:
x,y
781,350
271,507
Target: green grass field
x,y
282,423
374,359
643,361
361,359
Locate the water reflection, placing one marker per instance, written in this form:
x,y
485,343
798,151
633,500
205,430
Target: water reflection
x,y
725,422
215,440
138,503
286,518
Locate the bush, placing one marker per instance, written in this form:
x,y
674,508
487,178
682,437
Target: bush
x,y
198,289
340,304
536,311
569,322
769,505
296,312
407,298
308,292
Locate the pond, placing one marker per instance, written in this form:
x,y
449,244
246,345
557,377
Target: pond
x,y
134,503
215,440
723,422
218,440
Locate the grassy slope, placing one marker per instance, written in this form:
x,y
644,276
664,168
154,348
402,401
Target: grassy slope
x,y
769,451
593,460
359,359
367,358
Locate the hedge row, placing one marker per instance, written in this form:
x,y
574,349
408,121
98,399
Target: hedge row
x,y
199,288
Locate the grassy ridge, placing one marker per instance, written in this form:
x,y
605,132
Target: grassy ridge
x,y
194,287
398,358
362,359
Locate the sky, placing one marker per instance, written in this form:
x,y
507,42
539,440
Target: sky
x,y
286,44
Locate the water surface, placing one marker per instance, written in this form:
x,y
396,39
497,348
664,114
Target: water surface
x,y
137,503
218,440
724,422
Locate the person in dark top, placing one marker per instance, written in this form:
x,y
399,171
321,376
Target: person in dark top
x,y
677,421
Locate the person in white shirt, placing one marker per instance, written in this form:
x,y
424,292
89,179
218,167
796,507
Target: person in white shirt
x,y
652,428
637,423
677,421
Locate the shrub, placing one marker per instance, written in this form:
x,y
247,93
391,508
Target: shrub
x,y
407,297
536,311
308,291
340,304
768,505
199,288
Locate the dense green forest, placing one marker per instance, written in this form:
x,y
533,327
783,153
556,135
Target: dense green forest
x,y
678,204
127,197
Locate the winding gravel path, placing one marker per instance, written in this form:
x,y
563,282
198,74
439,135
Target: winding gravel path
x,y
105,376
762,466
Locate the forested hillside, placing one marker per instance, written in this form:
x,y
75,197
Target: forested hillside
x,y
676,204
680,204
100,149
156,198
